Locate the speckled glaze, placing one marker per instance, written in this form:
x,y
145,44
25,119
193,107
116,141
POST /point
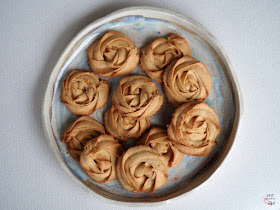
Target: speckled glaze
x,y
142,25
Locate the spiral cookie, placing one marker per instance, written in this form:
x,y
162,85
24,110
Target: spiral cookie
x,y
83,92
99,158
158,139
79,133
124,127
186,80
158,54
113,55
137,96
142,169
194,128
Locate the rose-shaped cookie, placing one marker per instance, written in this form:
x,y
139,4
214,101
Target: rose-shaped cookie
x,y
186,80
79,133
83,92
142,169
137,96
124,127
194,128
158,139
158,54
113,55
100,157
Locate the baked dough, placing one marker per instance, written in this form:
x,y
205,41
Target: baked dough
x,y
158,139
137,96
194,128
142,169
113,55
186,80
79,133
123,127
158,54
83,92
99,158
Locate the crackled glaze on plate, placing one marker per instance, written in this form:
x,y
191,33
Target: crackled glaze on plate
x,y
141,29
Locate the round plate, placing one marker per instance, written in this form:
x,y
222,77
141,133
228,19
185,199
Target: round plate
x,y
141,25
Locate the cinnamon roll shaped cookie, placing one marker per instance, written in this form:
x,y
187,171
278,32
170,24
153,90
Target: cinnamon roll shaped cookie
x,y
99,158
79,133
142,169
83,92
186,80
123,127
113,55
158,139
194,128
137,96
157,55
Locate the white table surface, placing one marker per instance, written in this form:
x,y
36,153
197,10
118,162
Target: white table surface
x,y
34,33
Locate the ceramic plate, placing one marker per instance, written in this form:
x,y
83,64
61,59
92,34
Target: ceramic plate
x,y
141,25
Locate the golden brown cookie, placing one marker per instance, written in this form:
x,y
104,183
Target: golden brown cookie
x,y
137,96
158,139
113,55
83,92
99,158
186,80
79,133
157,55
124,127
194,128
142,169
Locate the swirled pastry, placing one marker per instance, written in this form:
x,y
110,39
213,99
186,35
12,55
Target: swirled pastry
x,y
83,92
113,55
79,133
123,127
158,139
158,54
137,96
99,158
186,80
194,128
142,169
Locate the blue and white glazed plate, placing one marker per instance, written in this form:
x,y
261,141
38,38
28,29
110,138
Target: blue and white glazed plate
x,y
141,25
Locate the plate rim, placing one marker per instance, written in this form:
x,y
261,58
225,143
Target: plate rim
x,y
145,11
